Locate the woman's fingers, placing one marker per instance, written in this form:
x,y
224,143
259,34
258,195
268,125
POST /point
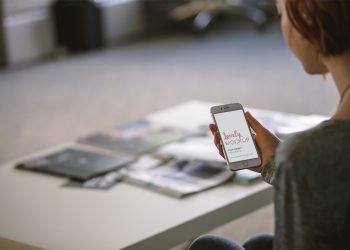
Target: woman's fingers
x,y
213,128
214,131
221,151
216,138
254,124
217,142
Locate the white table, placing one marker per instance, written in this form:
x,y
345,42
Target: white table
x,y
36,210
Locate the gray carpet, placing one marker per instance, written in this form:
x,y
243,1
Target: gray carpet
x,y
46,104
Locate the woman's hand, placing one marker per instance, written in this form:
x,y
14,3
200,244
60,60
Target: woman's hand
x,y
265,140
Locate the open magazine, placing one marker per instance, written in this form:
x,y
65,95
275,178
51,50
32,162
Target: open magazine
x,y
164,175
286,124
180,177
135,138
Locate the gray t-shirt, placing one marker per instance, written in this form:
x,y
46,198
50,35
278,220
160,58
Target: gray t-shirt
x,y
311,175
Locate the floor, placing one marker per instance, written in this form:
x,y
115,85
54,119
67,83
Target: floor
x,y
45,104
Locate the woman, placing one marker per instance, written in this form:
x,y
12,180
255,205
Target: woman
x,y
311,170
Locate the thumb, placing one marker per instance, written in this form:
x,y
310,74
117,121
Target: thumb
x,y
254,124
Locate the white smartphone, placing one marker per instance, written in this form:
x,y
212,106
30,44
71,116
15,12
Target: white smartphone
x,y
236,137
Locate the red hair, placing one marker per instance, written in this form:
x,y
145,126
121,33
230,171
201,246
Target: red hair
x,y
324,23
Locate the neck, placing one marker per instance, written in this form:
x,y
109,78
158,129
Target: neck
x,y
339,67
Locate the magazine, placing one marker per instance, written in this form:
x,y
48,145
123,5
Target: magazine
x,y
246,177
77,163
101,182
178,178
136,138
286,124
108,180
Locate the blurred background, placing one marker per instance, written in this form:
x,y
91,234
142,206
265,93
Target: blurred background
x,y
70,67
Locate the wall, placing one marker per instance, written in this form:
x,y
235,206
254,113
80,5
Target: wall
x,y
29,27
121,19
2,40
13,6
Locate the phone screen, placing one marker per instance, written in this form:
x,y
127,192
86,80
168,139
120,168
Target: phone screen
x,y
236,137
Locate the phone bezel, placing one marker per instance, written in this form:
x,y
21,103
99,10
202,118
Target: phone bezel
x,y
255,162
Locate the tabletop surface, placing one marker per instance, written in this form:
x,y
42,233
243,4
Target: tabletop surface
x,y
37,210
